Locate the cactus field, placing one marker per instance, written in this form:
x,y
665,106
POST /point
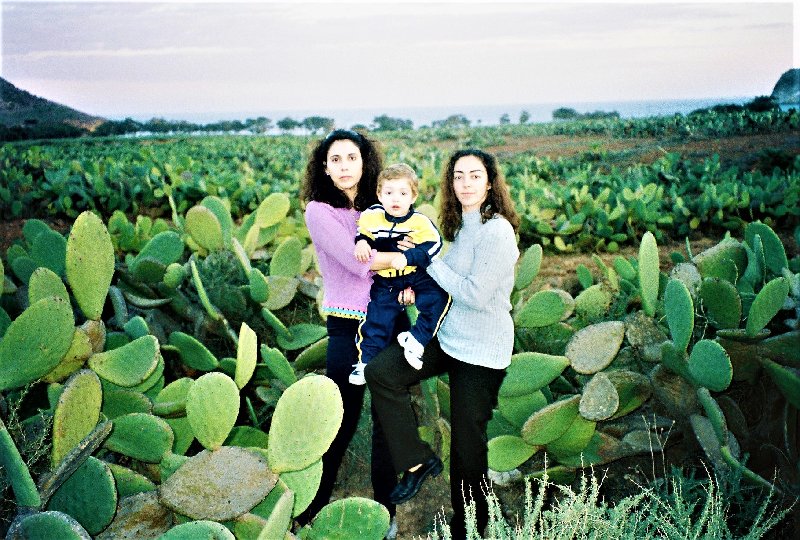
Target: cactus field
x,y
162,349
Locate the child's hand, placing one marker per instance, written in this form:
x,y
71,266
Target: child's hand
x,y
362,251
399,262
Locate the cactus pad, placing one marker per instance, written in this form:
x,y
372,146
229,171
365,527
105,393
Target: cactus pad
x,y
593,302
50,524
721,302
714,414
549,423
301,335
786,380
312,357
16,471
304,483
89,495
49,250
287,258
278,365
507,452
89,263
43,283
130,364
281,291
141,436
246,355
687,274
766,305
528,267
26,351
305,422
648,273
594,347
218,485
574,440
129,482
354,517
633,389
76,413
79,351
599,400
710,366
680,313
212,405
272,210
208,530
120,402
774,252
518,409
193,353
259,286
530,371
204,228
543,309
276,510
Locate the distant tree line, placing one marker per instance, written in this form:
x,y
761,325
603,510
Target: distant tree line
x,y
565,113
758,104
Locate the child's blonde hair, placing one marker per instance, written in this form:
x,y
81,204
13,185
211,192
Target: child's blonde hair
x,y
397,171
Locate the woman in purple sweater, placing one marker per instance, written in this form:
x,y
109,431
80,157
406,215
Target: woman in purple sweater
x,y
340,182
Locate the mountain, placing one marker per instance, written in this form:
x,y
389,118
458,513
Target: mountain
x,y
23,111
787,89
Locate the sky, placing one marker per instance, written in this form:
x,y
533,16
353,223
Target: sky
x,y
145,59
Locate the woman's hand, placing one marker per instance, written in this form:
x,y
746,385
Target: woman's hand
x,y
406,243
406,296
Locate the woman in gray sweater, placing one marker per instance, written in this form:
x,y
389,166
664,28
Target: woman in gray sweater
x,y
473,345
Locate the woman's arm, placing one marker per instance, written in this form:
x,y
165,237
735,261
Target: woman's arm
x,y
496,256
329,235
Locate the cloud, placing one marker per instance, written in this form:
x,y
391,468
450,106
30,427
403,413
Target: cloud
x,y
126,52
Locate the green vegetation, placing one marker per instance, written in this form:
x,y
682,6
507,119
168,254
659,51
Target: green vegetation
x,y
181,346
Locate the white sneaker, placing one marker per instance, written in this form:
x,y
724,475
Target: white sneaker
x,y
357,376
391,534
412,349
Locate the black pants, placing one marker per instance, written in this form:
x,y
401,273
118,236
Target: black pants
x,y
376,331
341,356
473,395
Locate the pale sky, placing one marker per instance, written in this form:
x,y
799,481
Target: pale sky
x,y
124,58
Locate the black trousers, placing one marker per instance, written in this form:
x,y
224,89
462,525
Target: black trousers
x,y
341,356
473,395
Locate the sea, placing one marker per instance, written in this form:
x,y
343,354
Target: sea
x,y
478,115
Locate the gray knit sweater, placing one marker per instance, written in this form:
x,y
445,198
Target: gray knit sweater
x,y
478,272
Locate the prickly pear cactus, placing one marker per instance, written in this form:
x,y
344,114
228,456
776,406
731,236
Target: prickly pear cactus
x,y
354,517
26,352
306,419
507,452
594,347
218,485
89,263
212,406
76,414
648,272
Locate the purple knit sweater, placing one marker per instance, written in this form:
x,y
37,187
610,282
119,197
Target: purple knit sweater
x,y
346,281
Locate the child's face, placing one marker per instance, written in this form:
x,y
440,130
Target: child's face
x,y
396,196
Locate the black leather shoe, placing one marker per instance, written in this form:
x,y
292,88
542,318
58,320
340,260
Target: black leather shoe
x,y
411,482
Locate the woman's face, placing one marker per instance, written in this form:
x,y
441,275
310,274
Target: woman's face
x,y
345,166
470,182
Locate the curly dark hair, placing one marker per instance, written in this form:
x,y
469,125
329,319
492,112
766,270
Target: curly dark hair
x,y
318,186
497,202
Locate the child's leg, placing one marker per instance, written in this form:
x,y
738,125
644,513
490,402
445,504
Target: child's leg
x,y
432,304
376,331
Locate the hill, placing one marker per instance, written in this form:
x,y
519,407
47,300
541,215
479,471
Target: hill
x,y
787,89
25,115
